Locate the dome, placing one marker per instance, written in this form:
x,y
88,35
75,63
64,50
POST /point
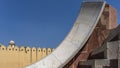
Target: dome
x,y
12,42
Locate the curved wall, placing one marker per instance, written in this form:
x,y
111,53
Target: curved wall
x,y
85,23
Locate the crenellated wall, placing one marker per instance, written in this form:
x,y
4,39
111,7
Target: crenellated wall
x,y
15,57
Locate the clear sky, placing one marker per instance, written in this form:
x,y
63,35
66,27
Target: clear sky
x,y
39,23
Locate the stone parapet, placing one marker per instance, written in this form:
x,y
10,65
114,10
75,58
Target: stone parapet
x,y
19,57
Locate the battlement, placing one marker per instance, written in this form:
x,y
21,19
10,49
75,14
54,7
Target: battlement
x,y
13,56
25,49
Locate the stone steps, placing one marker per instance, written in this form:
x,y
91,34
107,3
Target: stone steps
x,y
110,46
108,51
96,63
107,56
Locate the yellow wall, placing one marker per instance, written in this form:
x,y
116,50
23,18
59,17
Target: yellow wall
x,y
34,58
39,54
44,52
49,51
28,56
15,57
21,57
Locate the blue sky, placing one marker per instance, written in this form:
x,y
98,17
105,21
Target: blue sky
x,y
39,23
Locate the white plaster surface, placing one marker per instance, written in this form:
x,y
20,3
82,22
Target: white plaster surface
x,y
85,23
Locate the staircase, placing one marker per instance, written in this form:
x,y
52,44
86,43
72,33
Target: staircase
x,y
108,55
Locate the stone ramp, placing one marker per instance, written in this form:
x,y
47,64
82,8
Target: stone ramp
x,y
84,25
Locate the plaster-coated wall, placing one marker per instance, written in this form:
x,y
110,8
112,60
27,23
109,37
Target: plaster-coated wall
x,y
15,57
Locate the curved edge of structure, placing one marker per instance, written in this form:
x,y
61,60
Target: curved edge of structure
x,y
87,19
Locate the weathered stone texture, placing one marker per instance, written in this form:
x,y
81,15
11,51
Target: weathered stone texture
x,y
107,22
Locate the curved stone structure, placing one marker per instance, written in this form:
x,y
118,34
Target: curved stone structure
x,y
75,40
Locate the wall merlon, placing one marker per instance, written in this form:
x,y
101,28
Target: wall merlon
x,y
21,56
